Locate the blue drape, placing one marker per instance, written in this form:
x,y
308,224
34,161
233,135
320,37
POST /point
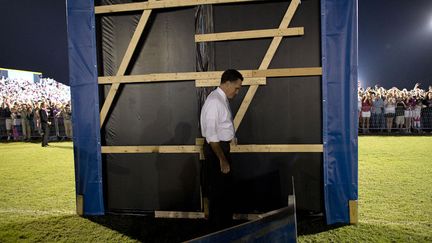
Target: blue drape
x,y
339,62
85,104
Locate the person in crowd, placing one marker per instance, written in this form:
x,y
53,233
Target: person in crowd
x,y
417,115
377,112
389,111
8,119
400,111
57,116
366,112
45,123
410,103
25,122
67,119
30,118
36,118
359,106
2,119
426,112
15,123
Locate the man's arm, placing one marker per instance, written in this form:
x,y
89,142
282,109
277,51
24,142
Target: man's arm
x,y
223,162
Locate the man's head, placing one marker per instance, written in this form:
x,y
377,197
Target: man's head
x,y
231,82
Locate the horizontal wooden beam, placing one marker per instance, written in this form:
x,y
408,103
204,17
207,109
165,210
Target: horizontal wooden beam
x,y
160,77
165,149
199,141
179,215
159,4
277,148
287,72
201,215
246,216
246,148
216,82
249,34
187,76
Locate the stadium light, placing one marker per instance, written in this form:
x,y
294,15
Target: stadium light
x,y
430,23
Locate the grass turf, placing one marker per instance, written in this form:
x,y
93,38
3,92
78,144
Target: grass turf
x,y
37,198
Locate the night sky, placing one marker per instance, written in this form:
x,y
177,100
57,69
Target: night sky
x,y
395,40
395,43
33,37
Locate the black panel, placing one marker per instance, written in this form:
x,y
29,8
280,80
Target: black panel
x,y
257,175
147,182
285,111
151,114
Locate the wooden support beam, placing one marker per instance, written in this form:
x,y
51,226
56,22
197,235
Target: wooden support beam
x,y
160,77
159,4
124,64
288,72
179,215
244,106
187,76
201,215
216,82
249,34
353,211
277,148
108,101
277,40
246,216
162,149
244,148
80,205
199,142
266,62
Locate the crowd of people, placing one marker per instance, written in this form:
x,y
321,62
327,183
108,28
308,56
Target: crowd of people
x,y
393,110
380,110
21,102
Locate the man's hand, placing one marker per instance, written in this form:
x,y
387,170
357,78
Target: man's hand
x,y
225,167
49,123
223,162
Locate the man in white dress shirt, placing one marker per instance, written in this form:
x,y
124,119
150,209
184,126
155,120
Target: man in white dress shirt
x,y
218,130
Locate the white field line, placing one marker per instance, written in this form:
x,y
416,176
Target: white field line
x,y
386,222
35,212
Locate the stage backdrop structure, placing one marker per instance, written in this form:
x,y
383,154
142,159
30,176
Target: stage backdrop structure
x,y
150,65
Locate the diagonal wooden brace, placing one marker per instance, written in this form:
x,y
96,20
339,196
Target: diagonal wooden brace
x,y
265,63
124,64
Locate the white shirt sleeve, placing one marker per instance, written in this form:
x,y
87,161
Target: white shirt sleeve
x,y
209,121
216,123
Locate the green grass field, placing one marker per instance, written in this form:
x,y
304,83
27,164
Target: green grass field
x,y
37,196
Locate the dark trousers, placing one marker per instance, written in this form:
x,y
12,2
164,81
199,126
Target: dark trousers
x,y
377,121
219,188
45,135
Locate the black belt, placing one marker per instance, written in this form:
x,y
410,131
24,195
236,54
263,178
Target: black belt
x,y
222,142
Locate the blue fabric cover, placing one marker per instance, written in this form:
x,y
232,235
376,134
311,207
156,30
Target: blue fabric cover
x,y
85,103
339,62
